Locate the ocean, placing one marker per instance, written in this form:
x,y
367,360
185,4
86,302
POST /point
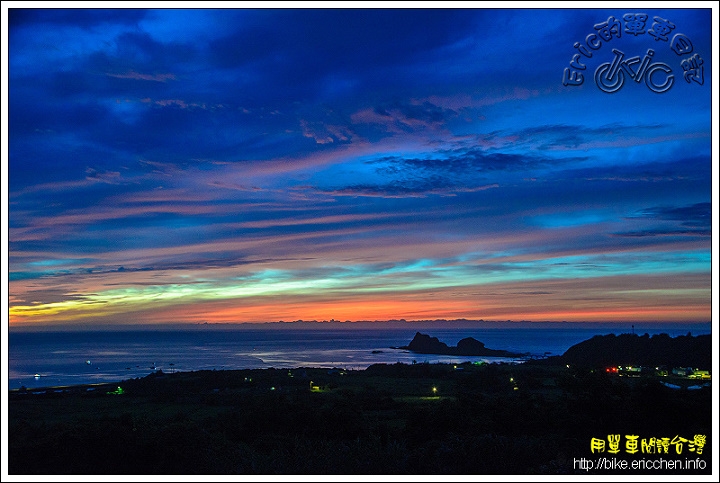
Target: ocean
x,y
62,358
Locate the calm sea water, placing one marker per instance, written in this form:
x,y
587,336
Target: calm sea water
x,y
39,359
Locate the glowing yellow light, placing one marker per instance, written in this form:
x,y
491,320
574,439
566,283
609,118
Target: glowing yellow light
x,y
434,389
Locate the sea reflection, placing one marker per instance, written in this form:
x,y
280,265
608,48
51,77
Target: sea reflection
x,y
61,358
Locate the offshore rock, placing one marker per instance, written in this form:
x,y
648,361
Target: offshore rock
x,y
424,344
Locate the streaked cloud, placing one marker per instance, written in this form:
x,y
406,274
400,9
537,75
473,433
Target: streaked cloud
x,y
171,165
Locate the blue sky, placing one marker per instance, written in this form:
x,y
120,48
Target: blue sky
x,y
238,165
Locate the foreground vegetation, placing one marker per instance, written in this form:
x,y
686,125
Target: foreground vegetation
x,y
388,419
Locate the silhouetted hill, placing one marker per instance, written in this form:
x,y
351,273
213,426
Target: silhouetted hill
x,y
424,344
636,350
390,419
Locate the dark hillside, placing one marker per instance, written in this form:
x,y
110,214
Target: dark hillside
x,y
636,350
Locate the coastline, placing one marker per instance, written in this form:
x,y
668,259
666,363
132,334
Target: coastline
x,y
60,357
387,419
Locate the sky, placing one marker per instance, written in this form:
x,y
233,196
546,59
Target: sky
x,y
255,165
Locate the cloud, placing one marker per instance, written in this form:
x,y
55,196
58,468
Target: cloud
x,y
321,220
325,133
691,220
85,18
676,170
235,186
109,177
201,146
398,190
697,215
574,136
469,162
401,117
659,232
179,103
148,77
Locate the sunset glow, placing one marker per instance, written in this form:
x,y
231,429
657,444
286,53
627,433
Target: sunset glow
x,y
222,166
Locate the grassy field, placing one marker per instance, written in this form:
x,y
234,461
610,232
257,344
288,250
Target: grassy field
x,y
388,419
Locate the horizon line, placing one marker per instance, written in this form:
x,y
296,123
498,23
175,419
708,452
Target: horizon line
x,y
395,323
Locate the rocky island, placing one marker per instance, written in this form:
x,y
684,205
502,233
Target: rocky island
x,y
424,344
